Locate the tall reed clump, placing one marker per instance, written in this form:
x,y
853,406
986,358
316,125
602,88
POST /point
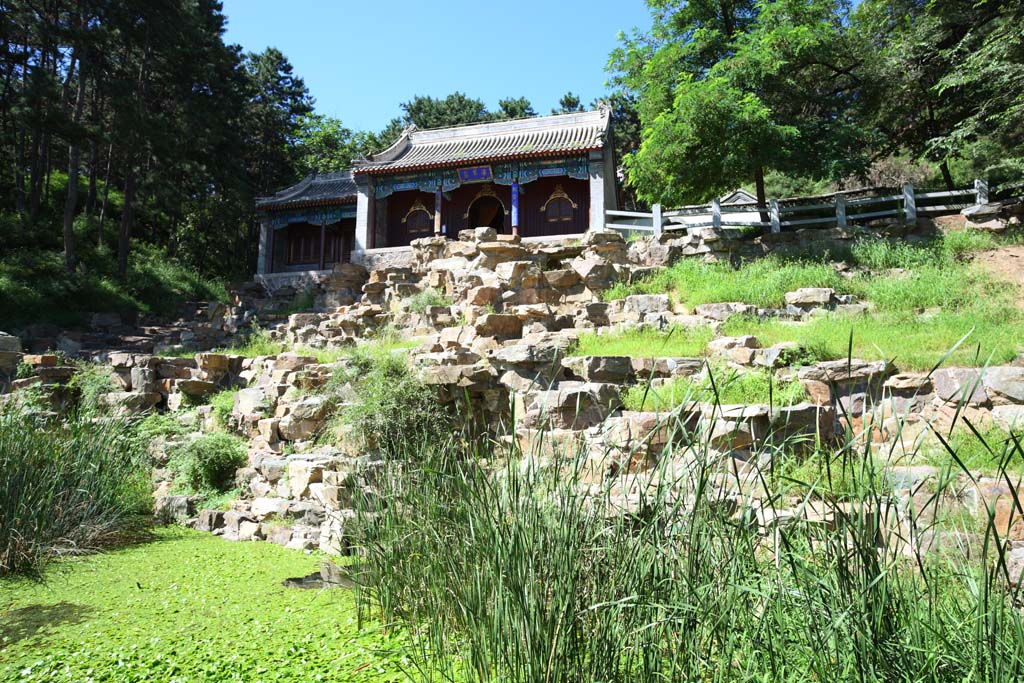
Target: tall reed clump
x,y
515,567
65,487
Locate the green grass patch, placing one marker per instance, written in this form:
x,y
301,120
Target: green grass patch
x,y
646,342
188,607
35,286
990,451
223,402
729,386
913,342
421,301
761,283
207,465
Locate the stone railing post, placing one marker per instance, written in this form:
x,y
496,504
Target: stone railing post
x,y
841,210
656,220
909,205
776,216
980,191
716,213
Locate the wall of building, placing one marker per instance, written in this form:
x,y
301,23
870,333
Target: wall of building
x,y
393,228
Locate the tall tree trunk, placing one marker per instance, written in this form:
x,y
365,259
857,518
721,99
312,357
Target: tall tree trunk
x,y
106,193
90,197
127,211
762,200
74,158
947,177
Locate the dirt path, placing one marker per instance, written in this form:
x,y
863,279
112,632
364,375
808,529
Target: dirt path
x,y
1006,264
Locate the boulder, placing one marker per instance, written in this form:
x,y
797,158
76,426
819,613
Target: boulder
x,y
852,371
265,507
174,508
9,343
562,278
250,402
1009,417
723,311
572,405
304,419
501,325
663,368
810,297
614,369
196,388
960,384
210,520
640,305
723,345
301,473
1004,385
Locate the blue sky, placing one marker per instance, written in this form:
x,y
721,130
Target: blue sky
x,y
360,60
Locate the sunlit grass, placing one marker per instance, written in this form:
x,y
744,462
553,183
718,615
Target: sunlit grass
x,y
645,342
913,342
727,387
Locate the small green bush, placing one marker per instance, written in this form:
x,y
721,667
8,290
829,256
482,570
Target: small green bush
x,y
223,402
420,302
394,407
209,463
91,380
156,425
257,343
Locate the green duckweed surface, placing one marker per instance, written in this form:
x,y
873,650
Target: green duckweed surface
x,y
188,606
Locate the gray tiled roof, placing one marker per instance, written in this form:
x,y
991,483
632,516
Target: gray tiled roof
x,y
520,138
322,188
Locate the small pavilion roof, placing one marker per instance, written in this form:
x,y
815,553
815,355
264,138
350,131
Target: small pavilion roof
x,y
315,189
516,139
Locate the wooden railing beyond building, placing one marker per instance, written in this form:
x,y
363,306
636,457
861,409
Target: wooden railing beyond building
x,y
825,211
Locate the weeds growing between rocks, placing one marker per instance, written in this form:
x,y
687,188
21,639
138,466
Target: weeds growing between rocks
x,y
516,566
65,487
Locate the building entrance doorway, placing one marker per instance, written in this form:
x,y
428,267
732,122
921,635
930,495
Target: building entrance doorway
x,y
487,212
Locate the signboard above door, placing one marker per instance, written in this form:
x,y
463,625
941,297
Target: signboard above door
x,y
475,174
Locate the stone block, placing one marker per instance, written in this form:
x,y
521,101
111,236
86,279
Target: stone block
x,y
302,473
500,325
614,369
1004,385
174,508
9,343
810,297
960,384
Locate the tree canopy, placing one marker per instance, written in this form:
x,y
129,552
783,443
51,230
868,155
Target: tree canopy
x,y
730,92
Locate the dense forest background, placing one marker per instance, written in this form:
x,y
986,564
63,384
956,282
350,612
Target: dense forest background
x,y
134,141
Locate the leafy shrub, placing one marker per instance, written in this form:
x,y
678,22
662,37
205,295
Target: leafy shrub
x,y
394,408
91,380
421,301
156,425
257,343
65,487
209,462
223,402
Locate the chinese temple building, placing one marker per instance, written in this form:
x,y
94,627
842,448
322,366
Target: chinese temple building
x,y
309,226
538,177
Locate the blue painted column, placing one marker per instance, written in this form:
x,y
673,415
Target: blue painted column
x,y
437,212
515,207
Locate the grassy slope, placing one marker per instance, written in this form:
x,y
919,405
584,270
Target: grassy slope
x,y
185,607
934,276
